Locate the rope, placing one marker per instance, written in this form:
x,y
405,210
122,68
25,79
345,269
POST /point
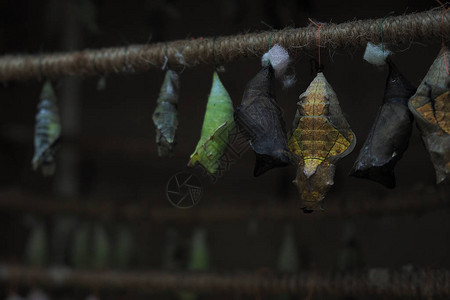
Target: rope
x,y
416,201
374,282
398,30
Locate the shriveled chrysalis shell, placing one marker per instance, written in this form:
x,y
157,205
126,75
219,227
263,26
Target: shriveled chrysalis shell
x,y
260,118
431,108
388,139
47,131
165,115
321,136
217,125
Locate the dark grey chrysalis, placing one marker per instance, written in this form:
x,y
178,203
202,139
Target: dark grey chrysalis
x,y
47,131
388,139
165,115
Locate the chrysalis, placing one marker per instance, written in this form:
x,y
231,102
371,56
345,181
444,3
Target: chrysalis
x,y
165,115
124,246
288,257
431,108
217,125
260,118
101,248
80,251
388,139
199,258
36,249
47,131
321,136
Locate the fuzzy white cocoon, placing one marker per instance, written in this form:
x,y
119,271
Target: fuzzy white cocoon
x,y
278,57
375,55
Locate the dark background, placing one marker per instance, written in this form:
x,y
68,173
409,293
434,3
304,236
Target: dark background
x,y
109,154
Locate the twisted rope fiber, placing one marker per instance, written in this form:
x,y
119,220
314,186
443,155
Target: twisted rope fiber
x,y
418,283
398,30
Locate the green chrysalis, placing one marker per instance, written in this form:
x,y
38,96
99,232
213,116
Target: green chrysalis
x,y
47,131
217,125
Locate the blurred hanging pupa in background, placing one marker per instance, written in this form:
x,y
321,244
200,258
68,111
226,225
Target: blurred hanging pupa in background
x,y
288,256
101,248
321,136
165,116
288,260
389,137
430,106
36,249
199,258
80,251
124,246
47,131
260,118
217,125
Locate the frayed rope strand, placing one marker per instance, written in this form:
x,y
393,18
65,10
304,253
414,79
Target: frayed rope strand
x,y
398,30
318,38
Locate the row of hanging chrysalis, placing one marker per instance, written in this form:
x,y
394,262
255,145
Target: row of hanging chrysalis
x,y
260,120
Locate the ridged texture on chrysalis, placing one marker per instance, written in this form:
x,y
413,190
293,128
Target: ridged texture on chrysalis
x,y
321,136
388,139
260,118
217,125
431,108
47,131
165,114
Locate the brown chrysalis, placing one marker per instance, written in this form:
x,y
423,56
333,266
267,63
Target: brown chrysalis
x,y
389,137
321,136
430,106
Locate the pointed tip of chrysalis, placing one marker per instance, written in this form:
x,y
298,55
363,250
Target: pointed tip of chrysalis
x,y
376,54
382,174
265,162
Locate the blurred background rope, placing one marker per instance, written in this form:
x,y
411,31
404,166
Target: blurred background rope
x,y
382,282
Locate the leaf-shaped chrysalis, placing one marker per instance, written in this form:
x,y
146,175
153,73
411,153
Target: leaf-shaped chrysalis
x,y
47,131
430,106
321,136
260,118
388,139
165,114
217,125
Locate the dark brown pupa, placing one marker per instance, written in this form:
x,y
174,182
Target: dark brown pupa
x,y
260,118
430,106
389,137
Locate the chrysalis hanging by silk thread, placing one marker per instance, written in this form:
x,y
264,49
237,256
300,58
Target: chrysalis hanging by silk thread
x,y
430,106
165,116
260,118
47,131
321,136
389,137
217,125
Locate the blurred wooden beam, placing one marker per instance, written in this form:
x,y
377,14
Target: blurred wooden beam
x,y
374,282
413,201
